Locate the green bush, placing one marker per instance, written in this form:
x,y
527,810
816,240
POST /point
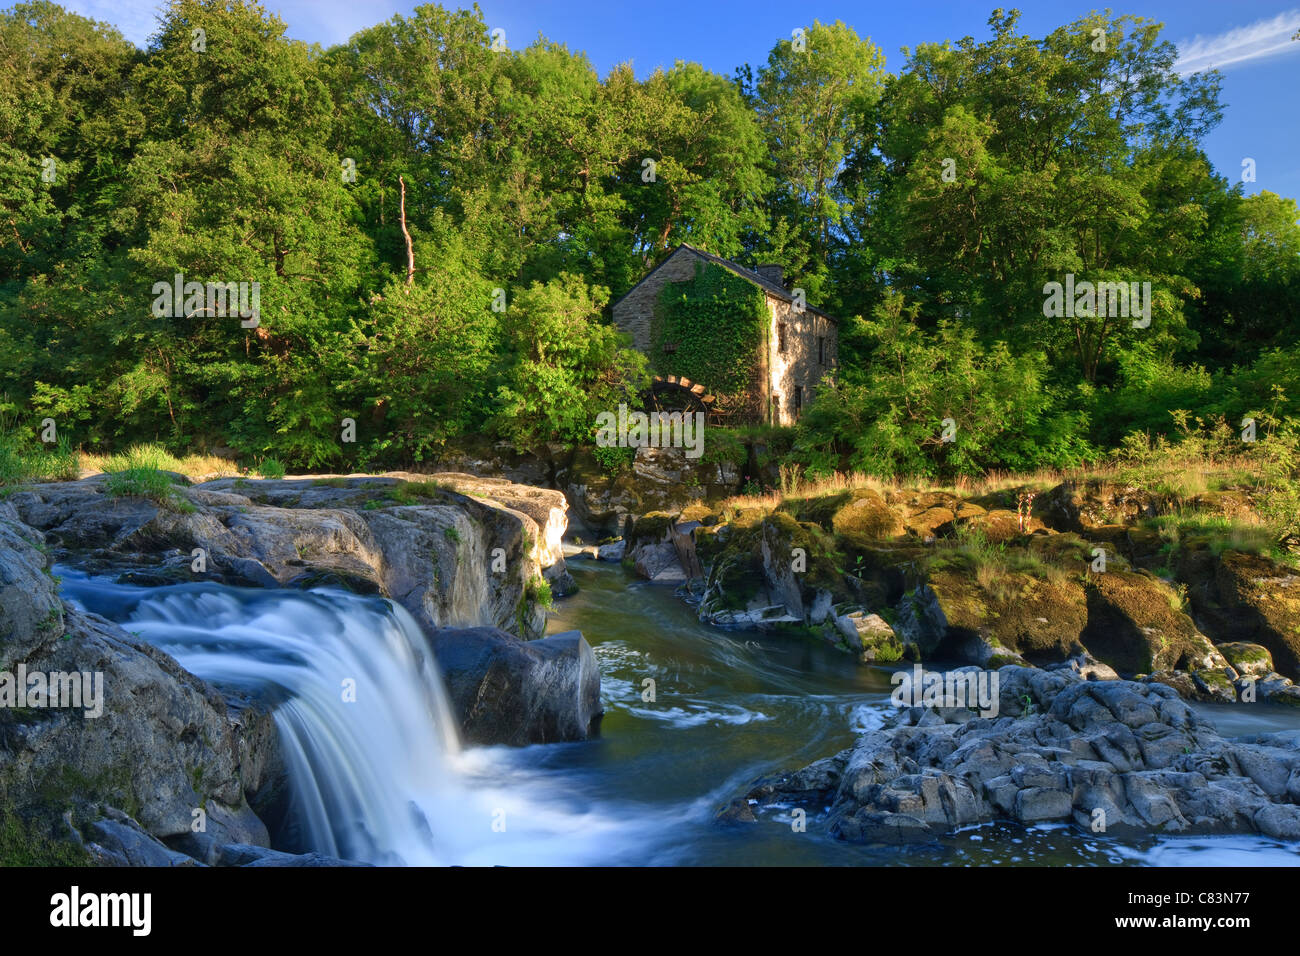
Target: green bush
x,y
724,446
562,365
270,468
614,459
890,420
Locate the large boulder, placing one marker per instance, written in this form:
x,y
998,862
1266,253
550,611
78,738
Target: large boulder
x,y
1137,625
865,516
981,617
145,736
1248,660
650,551
869,636
30,609
1257,600
507,691
771,571
452,559
547,508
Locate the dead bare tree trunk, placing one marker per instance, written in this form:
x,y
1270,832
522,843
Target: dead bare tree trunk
x,y
410,251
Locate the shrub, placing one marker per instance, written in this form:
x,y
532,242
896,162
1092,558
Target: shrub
x,y
24,459
270,468
563,365
891,420
613,459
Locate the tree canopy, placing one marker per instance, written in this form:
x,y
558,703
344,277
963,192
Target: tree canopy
x,y
437,226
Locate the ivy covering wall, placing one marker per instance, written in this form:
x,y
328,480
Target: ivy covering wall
x,y
710,329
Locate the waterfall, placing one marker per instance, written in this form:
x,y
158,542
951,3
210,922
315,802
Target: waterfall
x,y
374,764
366,731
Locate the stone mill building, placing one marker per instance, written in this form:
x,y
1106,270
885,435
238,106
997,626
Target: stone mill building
x,y
798,351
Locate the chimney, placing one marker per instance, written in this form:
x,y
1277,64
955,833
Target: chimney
x,y
773,274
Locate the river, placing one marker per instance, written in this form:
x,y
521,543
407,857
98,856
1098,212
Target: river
x,y
383,779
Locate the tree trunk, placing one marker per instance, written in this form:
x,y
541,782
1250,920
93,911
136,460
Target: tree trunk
x,y
410,251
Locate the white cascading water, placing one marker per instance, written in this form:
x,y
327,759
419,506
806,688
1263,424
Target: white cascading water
x,y
374,766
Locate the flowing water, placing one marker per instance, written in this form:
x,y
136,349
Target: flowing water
x,y
383,779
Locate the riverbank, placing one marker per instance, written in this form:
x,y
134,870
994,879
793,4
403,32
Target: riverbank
x,y
1188,587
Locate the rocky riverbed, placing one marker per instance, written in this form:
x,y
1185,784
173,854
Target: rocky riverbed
x,y
1087,579
1109,756
1096,665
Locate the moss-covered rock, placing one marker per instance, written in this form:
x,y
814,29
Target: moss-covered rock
x,y
699,512
1215,685
1072,553
776,562
1002,525
926,524
1257,600
869,636
1146,547
1136,624
1037,617
1250,660
650,528
867,517
1238,505
1082,506
650,550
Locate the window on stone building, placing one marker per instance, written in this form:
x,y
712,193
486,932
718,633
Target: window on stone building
x,y
821,350
798,400
780,337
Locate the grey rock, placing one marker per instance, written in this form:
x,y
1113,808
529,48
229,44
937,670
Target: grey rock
x,y
31,615
1130,754
1036,804
125,844
507,691
613,551
234,854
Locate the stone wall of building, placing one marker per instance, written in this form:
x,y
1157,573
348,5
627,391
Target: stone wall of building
x,y
811,351
635,311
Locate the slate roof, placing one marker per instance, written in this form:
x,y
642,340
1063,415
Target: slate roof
x,y
747,274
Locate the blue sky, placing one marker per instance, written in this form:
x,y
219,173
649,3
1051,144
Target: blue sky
x,y
1248,40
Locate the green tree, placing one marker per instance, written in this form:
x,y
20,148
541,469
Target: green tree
x,y
562,365
811,98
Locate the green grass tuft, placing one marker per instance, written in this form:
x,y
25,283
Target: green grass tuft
x,y
139,473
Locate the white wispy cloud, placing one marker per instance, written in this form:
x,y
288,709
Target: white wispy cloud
x,y
1255,41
